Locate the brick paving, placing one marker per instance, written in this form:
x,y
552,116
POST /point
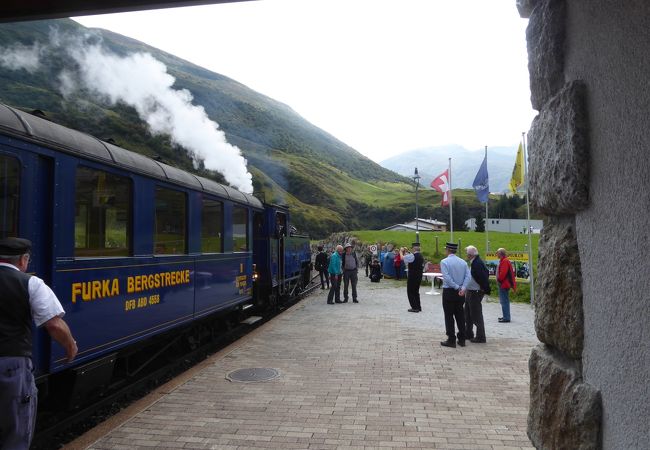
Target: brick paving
x,y
353,376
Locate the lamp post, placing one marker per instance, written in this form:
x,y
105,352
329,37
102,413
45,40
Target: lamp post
x,y
416,180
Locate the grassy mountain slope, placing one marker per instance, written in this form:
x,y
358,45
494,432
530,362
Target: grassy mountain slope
x,y
329,185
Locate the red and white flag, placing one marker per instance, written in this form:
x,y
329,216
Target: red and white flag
x,y
441,184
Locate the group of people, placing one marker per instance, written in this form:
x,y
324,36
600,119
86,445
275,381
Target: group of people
x,y
463,288
342,266
464,284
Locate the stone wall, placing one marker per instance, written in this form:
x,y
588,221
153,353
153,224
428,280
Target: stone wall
x,y
589,158
565,411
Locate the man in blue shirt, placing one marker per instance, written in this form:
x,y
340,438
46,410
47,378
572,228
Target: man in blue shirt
x,y
455,277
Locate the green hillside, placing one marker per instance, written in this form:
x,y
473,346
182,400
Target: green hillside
x,y
329,185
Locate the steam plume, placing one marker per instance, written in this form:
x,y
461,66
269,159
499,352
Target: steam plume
x,y
141,81
21,57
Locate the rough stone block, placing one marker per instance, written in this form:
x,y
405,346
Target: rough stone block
x,y
525,7
559,319
565,412
545,37
558,147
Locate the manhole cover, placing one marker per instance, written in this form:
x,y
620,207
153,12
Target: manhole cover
x,y
252,375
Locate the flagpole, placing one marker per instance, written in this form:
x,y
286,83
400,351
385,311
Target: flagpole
x,y
530,238
451,209
487,200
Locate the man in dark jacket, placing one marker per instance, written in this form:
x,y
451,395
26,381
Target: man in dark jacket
x,y
415,263
26,299
350,273
321,264
478,286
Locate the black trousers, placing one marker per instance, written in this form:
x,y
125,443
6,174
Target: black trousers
x,y
474,315
413,292
350,277
335,289
452,305
324,278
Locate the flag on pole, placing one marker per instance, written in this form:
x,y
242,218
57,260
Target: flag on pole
x,y
518,171
441,184
481,182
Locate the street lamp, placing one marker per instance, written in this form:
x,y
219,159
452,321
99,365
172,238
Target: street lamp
x,y
416,180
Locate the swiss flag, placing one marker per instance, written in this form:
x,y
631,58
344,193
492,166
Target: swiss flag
x,y
441,184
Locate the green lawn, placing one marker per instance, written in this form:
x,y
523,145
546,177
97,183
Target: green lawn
x,y
432,247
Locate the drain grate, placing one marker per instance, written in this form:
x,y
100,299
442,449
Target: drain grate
x,y
252,375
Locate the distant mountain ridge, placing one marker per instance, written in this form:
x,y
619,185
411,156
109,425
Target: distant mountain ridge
x,y
432,161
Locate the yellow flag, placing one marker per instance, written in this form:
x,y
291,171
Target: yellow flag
x,y
518,171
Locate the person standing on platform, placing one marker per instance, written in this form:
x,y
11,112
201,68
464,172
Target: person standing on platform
x,y
335,270
350,273
479,285
25,299
505,281
415,263
375,271
455,277
397,263
366,257
321,264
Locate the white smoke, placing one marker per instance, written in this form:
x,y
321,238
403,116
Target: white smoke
x,y
141,81
21,56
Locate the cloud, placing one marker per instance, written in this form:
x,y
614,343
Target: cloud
x,y
21,57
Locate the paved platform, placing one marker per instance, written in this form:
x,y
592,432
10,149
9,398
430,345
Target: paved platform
x,y
352,376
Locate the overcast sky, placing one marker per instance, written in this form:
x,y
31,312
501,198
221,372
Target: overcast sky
x,y
383,76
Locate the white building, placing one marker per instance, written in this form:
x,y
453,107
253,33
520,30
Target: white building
x,y
506,225
422,225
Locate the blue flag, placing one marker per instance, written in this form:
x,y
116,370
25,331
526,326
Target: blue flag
x,y
481,182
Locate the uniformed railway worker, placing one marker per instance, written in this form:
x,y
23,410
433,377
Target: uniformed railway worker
x,y
414,262
455,278
23,298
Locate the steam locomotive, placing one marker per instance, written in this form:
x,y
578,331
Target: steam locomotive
x,y
136,250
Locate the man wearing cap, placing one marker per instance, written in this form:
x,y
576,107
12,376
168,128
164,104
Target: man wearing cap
x,y
350,273
455,278
25,298
414,262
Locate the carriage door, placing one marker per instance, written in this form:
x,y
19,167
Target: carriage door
x,y
281,232
26,211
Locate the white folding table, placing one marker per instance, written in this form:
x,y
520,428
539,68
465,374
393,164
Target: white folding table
x,y
433,276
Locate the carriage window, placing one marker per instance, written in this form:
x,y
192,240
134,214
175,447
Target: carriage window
x,y
211,226
102,214
169,234
239,229
9,196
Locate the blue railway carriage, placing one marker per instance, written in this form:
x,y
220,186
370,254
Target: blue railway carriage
x,y
282,257
131,246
